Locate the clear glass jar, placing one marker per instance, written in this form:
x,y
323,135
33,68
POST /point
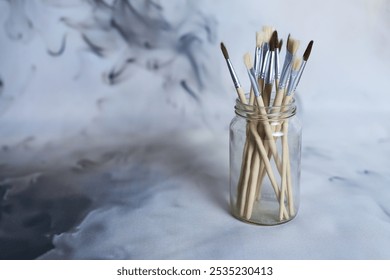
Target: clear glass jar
x,y
265,163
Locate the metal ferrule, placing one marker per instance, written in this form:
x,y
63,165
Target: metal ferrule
x,y
256,65
264,66
233,74
260,61
277,63
299,75
265,49
252,78
284,76
271,69
293,82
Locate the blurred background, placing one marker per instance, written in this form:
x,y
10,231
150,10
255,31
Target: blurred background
x,y
107,104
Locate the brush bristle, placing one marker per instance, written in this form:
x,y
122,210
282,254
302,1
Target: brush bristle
x,y
272,44
267,30
224,51
296,64
259,39
280,44
292,45
288,41
248,60
274,39
308,51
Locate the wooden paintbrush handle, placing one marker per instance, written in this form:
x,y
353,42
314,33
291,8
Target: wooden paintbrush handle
x,y
267,94
267,163
284,168
269,134
241,179
255,164
241,95
245,173
290,194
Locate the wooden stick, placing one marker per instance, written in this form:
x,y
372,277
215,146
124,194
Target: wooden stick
x,y
286,101
276,108
284,169
241,179
291,49
290,195
267,128
267,165
243,185
267,94
254,169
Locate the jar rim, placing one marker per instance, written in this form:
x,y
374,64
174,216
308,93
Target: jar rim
x,y
254,112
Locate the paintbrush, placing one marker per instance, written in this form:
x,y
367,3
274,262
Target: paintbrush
x,y
278,45
258,61
237,85
298,66
296,73
270,73
286,168
248,147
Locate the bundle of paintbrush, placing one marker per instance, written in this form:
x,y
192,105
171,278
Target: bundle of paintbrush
x,y
266,148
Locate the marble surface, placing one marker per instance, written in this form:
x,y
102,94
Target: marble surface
x,y
114,129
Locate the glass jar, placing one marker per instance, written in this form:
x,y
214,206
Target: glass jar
x,y
265,163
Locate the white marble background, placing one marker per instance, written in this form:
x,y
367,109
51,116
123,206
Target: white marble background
x,y
114,129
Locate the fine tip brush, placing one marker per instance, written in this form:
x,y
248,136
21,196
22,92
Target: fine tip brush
x,y
308,51
297,67
233,74
305,58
